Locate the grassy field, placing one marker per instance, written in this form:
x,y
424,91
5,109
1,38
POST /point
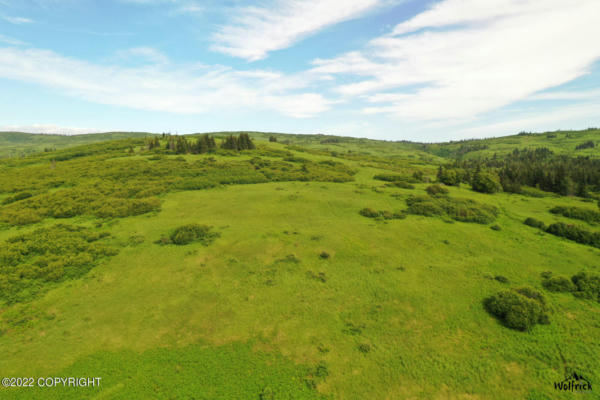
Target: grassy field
x,y
300,296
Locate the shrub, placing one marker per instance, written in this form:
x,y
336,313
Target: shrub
x,y
519,309
364,348
370,213
496,227
190,233
587,286
16,197
575,233
32,260
486,182
324,255
558,284
464,210
583,214
501,279
535,223
586,145
437,190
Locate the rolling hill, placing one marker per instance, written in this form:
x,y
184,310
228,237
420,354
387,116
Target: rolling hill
x,y
298,266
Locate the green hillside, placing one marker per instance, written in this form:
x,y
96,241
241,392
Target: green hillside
x,y
300,266
18,144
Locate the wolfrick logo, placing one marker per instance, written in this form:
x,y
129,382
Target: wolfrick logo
x,y
574,383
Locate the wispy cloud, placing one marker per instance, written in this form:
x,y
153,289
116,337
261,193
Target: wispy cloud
x,y
182,89
253,31
468,57
47,128
145,53
17,20
11,41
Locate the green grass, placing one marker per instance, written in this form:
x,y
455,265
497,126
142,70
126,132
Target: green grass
x,y
395,311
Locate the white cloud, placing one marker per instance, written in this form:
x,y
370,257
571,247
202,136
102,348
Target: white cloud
x,y
47,128
254,31
182,89
11,41
468,57
18,20
145,53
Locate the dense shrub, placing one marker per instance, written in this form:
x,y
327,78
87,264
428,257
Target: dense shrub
x,y
535,223
501,279
496,227
370,213
583,214
575,233
587,285
518,308
586,145
190,233
486,182
437,190
464,210
16,197
29,262
558,284
450,176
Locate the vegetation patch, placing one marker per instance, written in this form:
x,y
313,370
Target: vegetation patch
x,y
464,210
519,309
30,262
583,214
382,214
583,285
190,233
437,190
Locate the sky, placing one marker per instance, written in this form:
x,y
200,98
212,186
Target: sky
x,y
384,69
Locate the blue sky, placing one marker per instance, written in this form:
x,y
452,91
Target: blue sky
x,y
385,69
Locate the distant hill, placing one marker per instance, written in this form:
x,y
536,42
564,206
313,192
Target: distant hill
x,y
576,143
17,144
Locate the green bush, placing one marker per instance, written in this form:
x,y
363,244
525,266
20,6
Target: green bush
x,y
583,214
370,213
193,233
501,279
464,210
496,227
519,309
31,261
587,286
437,190
558,284
535,223
575,233
486,182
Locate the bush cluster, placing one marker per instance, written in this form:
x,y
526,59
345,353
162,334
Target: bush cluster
x,y
583,284
583,214
370,213
437,190
519,309
105,182
535,223
31,261
190,233
464,210
575,234
486,182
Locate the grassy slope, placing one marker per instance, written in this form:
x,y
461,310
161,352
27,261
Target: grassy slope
x,y
411,289
14,144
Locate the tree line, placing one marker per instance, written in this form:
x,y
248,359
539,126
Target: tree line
x,y
203,143
539,167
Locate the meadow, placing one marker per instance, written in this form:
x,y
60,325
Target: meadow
x,y
309,267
